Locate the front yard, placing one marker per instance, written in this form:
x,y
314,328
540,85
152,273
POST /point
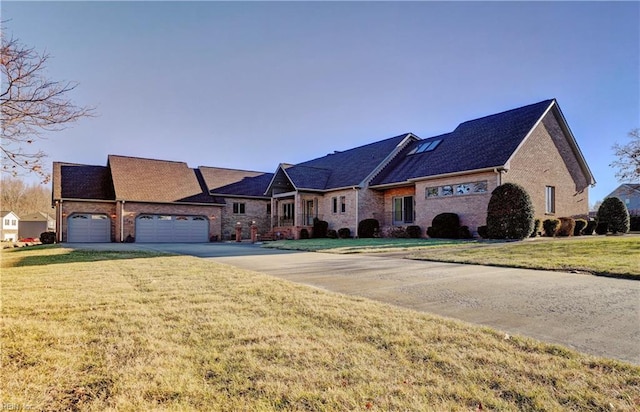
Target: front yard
x,y
100,331
617,256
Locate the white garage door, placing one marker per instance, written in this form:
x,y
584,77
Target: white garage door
x,y
89,227
171,228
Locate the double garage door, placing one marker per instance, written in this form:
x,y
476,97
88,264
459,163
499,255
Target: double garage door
x,y
171,228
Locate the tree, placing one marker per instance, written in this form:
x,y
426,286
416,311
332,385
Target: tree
x,y
30,104
613,212
628,162
509,213
24,199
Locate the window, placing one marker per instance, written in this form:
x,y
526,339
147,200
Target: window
x,y
432,191
334,205
287,211
425,147
447,190
7,222
550,199
238,208
343,204
402,210
461,189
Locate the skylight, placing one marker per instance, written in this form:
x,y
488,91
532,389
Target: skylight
x,y
425,147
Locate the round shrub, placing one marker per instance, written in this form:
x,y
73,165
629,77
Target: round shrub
x,y
367,228
634,222
602,228
509,213
320,228
567,226
332,234
344,233
614,212
414,231
550,227
48,238
464,233
581,224
304,233
444,225
591,226
482,232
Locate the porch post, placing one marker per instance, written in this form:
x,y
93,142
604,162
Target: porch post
x,y
296,209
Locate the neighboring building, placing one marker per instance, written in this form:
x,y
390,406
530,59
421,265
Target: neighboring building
x,y
629,193
9,226
34,224
400,181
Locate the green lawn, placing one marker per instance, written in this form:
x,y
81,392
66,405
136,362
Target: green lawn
x,y
96,331
602,255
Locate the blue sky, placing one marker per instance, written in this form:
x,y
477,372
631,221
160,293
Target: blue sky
x,y
251,84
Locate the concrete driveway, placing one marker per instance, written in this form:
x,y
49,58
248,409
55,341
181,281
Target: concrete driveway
x,y
595,315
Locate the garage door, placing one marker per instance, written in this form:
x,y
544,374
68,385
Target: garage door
x,y
171,228
89,227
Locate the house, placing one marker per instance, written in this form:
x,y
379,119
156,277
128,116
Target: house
x,y
9,226
629,193
148,200
34,224
403,180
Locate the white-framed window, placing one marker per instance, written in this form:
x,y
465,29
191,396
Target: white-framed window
x,y
7,222
287,211
343,204
238,208
402,210
550,199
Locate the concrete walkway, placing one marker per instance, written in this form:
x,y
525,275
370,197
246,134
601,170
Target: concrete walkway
x,y
595,315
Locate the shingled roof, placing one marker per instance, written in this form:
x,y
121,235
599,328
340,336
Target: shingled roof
x,y
343,169
78,181
234,182
477,144
150,180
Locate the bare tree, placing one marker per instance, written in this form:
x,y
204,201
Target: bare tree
x,y
628,162
23,199
30,105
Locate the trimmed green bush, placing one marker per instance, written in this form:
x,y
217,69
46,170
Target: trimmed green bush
x,y
581,224
567,226
48,238
591,226
634,222
464,233
509,213
320,228
482,232
368,228
445,225
414,231
614,212
344,233
304,233
602,228
536,228
332,234
550,226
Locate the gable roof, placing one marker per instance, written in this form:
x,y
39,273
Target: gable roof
x,y
342,169
77,181
234,182
37,217
484,143
162,181
4,213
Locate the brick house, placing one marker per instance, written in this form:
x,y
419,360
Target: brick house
x,y
400,181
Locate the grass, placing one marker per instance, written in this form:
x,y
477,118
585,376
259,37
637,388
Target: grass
x,y
617,256
152,332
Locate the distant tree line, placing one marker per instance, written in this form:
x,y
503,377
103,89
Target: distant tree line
x,y
22,198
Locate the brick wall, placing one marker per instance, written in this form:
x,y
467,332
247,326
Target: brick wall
x,y
339,220
546,159
255,210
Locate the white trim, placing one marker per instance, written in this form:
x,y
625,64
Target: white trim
x,y
388,159
409,182
522,142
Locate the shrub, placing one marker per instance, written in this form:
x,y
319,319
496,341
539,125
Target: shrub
x,y
591,226
614,212
464,233
482,232
344,233
567,226
536,228
368,228
444,225
634,223
48,238
332,234
398,232
304,233
581,224
602,228
320,228
509,213
550,226
414,231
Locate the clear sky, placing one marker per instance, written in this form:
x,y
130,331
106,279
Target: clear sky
x,y
251,84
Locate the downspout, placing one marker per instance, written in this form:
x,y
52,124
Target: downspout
x,y
357,209
59,222
499,176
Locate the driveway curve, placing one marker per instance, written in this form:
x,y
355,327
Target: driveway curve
x,y
594,315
